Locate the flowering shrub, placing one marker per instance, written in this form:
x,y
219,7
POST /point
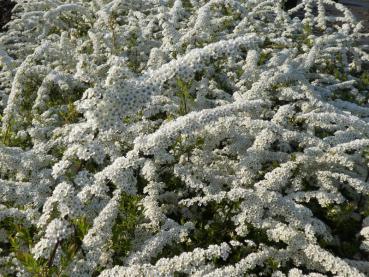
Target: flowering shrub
x,y
184,138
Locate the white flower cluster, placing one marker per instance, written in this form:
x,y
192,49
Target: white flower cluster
x,y
56,231
184,138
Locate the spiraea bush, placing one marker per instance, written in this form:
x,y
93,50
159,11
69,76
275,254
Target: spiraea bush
x,y
184,138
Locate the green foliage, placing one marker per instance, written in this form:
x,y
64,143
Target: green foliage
x,y
334,66
238,253
346,95
9,137
274,45
268,166
125,224
112,25
186,99
133,59
239,72
340,213
180,146
363,82
272,265
227,10
21,239
71,21
71,246
187,4
307,32
263,57
71,115
220,78
127,119
230,17
267,43
82,226
322,133
213,225
281,85
365,212
268,267
293,157
78,165
297,123
35,267
28,94
172,182
344,225
57,151
64,104
339,74
214,228
179,274
365,78
133,118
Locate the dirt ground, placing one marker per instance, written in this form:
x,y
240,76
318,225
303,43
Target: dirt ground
x,y
360,8
5,12
362,14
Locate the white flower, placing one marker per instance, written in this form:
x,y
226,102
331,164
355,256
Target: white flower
x,y
237,135
56,231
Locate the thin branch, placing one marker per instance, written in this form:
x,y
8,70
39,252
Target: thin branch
x,y
52,256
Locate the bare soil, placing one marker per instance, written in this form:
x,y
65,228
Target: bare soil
x,y
361,14
6,7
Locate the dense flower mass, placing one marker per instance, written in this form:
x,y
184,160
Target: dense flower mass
x,y
184,138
